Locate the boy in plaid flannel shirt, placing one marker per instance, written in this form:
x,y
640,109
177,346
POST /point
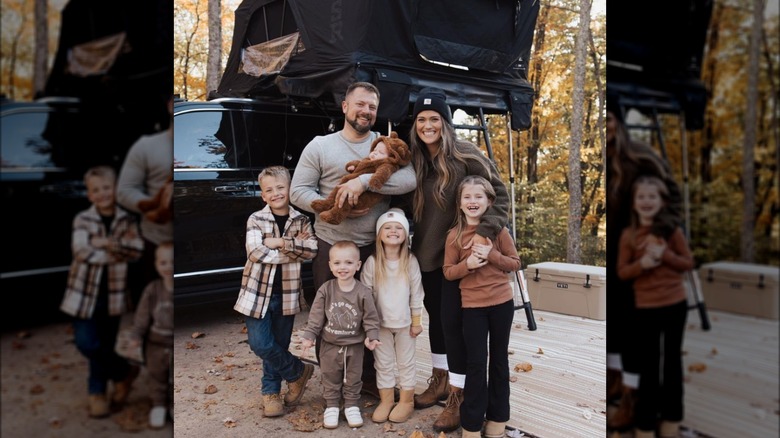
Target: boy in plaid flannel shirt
x,y
278,238
105,239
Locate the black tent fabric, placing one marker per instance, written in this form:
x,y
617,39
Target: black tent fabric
x,y
476,51
128,96
655,53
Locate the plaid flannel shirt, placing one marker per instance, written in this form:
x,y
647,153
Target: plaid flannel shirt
x,y
86,269
263,263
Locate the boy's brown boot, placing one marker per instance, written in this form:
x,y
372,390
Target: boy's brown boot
x,y
449,419
438,389
122,387
98,406
405,407
386,401
272,405
494,429
295,389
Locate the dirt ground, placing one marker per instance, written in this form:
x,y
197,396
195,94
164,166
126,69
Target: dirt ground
x,y
217,387
44,390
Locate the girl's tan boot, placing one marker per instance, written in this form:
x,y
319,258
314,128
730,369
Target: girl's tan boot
x,y
382,410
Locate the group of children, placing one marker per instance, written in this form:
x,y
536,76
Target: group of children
x,y
381,311
105,240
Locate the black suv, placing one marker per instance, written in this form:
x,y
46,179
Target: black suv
x,y
45,148
220,146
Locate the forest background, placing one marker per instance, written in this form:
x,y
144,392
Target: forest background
x,y
542,168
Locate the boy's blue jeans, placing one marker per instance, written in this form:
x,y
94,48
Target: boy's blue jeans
x,y
95,339
269,338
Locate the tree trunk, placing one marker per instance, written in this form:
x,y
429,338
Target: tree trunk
x,y
600,209
214,62
747,244
41,47
537,60
574,240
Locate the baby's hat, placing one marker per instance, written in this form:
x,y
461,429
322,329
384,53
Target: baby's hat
x,y
393,215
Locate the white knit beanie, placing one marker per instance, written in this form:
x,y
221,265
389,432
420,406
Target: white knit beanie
x,y
393,215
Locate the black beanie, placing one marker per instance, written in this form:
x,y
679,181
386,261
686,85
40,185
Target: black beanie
x,y
432,99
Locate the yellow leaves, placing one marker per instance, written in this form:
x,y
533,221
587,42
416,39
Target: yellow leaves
x,y
524,367
697,367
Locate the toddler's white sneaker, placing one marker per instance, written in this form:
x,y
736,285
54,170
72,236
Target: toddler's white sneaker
x,y
330,418
354,418
157,417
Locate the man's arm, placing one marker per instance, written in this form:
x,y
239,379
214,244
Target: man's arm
x,y
131,182
304,187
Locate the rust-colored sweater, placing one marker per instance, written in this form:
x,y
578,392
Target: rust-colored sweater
x,y
488,285
659,286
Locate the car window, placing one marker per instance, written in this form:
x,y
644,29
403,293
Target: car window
x,y
23,144
206,140
281,137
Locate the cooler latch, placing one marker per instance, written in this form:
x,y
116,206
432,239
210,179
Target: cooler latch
x,y
587,281
536,276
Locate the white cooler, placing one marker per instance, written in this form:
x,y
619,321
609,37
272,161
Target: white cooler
x,y
568,288
738,287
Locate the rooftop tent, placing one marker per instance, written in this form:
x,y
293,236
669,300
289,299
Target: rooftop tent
x,y
312,49
116,59
655,54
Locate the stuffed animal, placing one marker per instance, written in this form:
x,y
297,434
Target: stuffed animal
x,y
383,161
158,208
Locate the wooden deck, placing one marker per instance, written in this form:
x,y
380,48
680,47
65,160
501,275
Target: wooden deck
x,y
731,376
736,394
563,395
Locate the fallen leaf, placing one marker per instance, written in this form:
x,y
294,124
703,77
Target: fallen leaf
x,y
587,414
218,359
304,419
513,379
388,427
211,389
243,330
191,346
37,389
510,352
196,335
697,367
229,422
540,351
17,345
524,367
229,354
55,422
714,351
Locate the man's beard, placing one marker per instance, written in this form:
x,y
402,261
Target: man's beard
x,y
361,129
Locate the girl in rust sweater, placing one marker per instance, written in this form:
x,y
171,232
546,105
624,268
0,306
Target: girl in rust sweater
x,y
656,263
488,308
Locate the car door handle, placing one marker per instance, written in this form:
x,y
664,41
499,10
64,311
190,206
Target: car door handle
x,y
233,189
